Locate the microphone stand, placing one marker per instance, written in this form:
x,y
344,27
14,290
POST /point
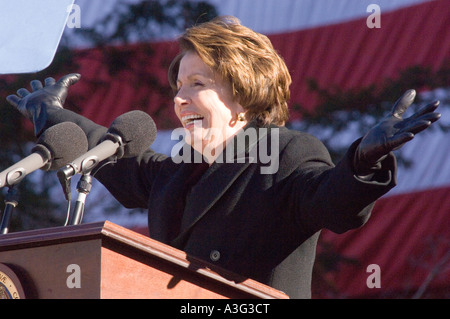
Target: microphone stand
x,y
11,201
83,187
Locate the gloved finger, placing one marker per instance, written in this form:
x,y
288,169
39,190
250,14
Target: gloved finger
x,y
415,127
403,103
36,85
398,140
23,92
14,100
49,81
429,108
409,123
69,79
432,117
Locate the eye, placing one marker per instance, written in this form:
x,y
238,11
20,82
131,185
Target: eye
x,y
198,83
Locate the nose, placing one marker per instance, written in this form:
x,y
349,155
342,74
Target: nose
x,y
181,99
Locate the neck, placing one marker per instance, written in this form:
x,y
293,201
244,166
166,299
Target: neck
x,y
211,150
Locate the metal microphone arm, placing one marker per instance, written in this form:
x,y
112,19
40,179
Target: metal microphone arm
x,y
85,166
11,201
83,187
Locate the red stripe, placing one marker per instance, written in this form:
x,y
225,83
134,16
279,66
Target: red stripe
x,y
407,236
350,55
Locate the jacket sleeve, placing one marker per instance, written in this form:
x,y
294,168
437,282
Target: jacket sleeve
x,y
94,132
129,180
326,196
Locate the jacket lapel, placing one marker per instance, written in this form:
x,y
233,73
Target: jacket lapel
x,y
212,186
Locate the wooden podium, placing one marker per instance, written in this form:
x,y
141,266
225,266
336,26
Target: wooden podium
x,y
104,260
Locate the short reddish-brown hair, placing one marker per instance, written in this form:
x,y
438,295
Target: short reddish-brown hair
x,y
258,75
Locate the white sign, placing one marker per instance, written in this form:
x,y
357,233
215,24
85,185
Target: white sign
x,y
30,32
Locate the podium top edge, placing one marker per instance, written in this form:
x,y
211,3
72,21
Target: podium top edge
x,y
40,236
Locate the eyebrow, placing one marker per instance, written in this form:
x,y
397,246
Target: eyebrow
x,y
190,76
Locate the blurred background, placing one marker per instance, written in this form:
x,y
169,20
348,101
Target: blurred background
x,y
348,63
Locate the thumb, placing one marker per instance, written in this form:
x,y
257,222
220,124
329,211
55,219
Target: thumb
x,y
403,103
69,79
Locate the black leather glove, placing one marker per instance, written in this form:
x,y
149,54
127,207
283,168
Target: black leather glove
x,y
34,105
392,133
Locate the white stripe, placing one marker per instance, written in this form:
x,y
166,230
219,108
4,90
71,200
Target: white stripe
x,y
265,16
275,16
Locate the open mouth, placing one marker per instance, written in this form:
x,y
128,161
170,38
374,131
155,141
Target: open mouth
x,y
189,120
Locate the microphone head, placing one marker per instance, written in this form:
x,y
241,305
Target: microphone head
x,y
137,130
66,141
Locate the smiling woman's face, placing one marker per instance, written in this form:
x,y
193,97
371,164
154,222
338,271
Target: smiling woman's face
x,y
204,104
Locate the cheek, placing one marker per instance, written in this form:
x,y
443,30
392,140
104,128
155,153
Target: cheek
x,y
217,108
177,112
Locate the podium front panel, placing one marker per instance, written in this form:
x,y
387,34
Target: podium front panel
x,y
104,260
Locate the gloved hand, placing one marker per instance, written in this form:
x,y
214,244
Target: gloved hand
x,y
392,133
34,105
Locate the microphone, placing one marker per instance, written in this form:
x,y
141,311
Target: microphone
x,y
56,146
128,136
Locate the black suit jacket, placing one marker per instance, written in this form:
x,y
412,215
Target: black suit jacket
x,y
263,226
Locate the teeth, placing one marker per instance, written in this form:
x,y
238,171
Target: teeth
x,y
189,118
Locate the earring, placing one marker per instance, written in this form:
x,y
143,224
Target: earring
x,y
241,117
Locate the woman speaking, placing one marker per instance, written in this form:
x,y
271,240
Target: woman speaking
x,y
219,198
